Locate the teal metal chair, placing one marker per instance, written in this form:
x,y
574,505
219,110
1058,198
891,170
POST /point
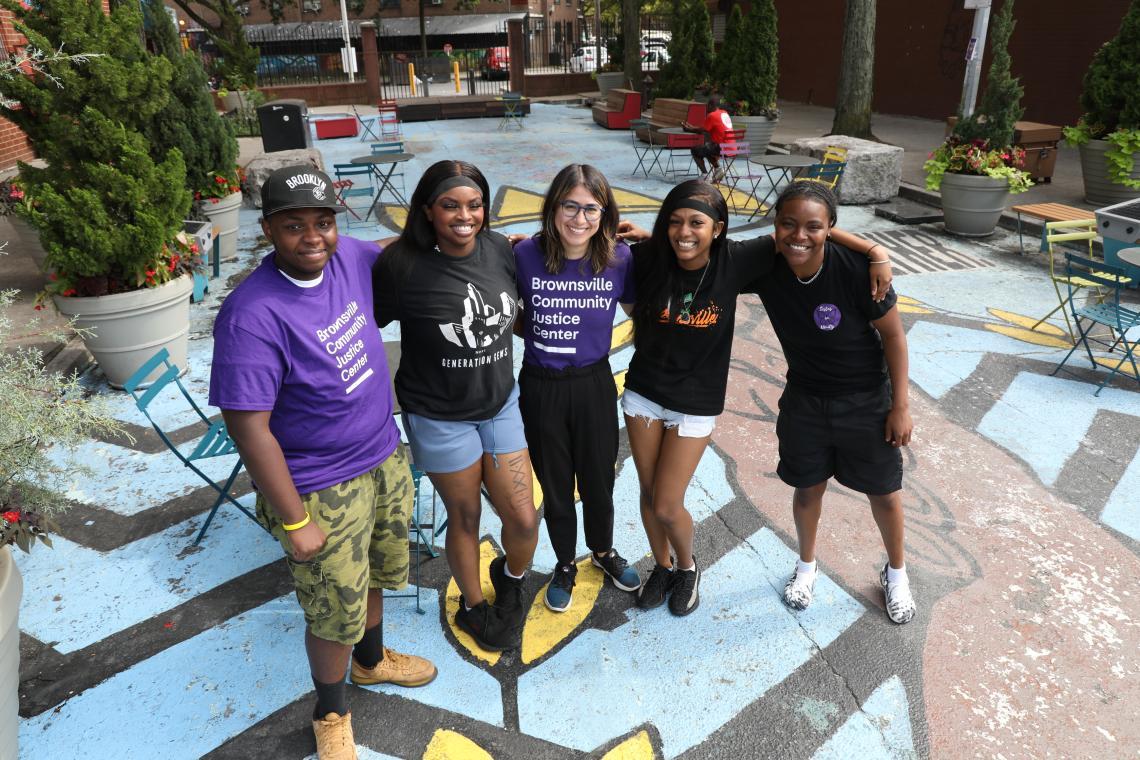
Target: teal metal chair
x,y
1108,312
393,146
214,442
645,152
512,111
361,176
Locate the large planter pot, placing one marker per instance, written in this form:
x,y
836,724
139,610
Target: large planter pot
x,y
759,132
609,80
128,328
224,216
1099,191
972,205
11,589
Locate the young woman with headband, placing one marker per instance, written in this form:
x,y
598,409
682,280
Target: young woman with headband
x,y
450,282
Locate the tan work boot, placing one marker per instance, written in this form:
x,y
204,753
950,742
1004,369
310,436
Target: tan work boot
x,y
395,667
334,737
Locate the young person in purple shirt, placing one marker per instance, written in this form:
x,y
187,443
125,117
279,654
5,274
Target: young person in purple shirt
x,y
571,277
688,276
450,281
300,375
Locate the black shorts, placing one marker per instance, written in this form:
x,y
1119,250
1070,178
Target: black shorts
x,y
838,436
708,150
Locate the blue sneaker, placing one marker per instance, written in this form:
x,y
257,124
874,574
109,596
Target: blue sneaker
x,y
619,571
560,590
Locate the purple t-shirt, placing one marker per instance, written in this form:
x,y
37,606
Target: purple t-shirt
x,y
568,317
315,359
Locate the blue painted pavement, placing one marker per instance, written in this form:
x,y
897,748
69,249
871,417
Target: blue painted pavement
x,y
881,729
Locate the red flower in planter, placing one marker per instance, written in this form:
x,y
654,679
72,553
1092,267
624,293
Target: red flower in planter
x,y
12,516
69,292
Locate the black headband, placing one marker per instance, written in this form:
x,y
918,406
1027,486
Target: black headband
x,y
451,183
696,205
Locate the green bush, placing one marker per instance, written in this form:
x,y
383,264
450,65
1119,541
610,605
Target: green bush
x,y
1000,106
690,51
732,49
105,209
754,73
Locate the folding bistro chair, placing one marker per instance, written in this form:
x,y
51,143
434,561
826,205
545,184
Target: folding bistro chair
x,y
360,187
1067,232
1109,312
825,173
340,187
215,440
643,151
389,121
368,125
512,110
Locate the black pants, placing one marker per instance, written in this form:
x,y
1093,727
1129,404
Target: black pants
x,y
570,418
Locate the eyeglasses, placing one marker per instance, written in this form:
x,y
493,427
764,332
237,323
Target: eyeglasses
x,y
591,211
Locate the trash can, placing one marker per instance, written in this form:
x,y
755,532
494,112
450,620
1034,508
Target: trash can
x,y
1039,141
284,125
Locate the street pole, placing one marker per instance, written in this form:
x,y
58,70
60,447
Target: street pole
x,y
349,55
974,52
597,34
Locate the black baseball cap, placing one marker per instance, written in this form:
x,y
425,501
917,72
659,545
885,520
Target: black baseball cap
x,y
301,186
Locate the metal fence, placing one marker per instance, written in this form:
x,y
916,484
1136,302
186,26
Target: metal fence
x,y
572,46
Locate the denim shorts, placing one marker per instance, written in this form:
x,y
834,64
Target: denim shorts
x,y
443,446
633,404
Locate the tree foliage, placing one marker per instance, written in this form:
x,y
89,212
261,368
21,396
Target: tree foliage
x,y
189,121
1111,97
238,67
103,207
690,50
732,49
755,69
1000,105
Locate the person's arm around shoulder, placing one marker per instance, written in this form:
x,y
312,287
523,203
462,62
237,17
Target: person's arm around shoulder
x,y
899,425
878,257
262,456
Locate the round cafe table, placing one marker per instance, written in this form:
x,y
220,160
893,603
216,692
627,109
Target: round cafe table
x,y
780,170
384,177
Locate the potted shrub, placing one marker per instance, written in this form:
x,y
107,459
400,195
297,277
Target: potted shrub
x,y
39,409
190,123
107,213
1108,134
690,51
977,167
752,71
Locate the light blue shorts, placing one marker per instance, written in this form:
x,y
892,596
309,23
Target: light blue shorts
x,y
443,446
633,404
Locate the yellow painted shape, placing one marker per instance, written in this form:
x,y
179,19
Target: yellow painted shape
x,y
1020,320
636,747
448,745
518,205
398,215
622,334
451,605
1112,363
908,305
619,381
535,490
544,629
630,201
1030,336
737,200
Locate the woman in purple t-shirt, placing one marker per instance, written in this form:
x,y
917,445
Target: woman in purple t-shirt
x,y
571,276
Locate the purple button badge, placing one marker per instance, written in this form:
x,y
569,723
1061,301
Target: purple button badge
x,y
827,316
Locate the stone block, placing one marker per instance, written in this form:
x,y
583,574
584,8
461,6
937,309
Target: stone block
x,y
260,167
874,170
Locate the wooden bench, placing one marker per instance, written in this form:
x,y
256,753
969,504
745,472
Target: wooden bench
x,y
619,108
1049,212
670,112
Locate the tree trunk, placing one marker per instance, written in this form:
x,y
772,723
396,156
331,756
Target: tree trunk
x,y
856,71
631,33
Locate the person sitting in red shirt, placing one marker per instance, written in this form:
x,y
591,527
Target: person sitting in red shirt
x,y
716,132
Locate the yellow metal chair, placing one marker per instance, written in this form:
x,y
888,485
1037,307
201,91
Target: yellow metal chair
x,y
835,155
1067,232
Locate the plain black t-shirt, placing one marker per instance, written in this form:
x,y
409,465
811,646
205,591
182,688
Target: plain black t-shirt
x,y
455,325
683,364
825,328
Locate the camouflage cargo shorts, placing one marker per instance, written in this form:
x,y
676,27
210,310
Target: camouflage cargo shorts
x,y
365,521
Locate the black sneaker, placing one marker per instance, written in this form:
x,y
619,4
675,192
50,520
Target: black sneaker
x,y
560,590
509,602
684,595
655,588
622,575
485,626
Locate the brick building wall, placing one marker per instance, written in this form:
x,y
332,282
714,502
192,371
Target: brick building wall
x,y
13,145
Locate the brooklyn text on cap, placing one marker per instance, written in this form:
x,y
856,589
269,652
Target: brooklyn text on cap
x,y
298,187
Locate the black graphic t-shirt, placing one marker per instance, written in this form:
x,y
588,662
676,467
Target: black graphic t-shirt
x,y
455,324
681,360
825,327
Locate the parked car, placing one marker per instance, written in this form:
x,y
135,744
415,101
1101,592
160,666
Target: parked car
x,y
583,59
497,63
654,55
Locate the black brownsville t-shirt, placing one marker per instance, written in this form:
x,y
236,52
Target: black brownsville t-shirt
x,y
455,328
825,328
682,363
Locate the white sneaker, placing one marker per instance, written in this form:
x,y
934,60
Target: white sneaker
x,y
900,604
718,175
799,590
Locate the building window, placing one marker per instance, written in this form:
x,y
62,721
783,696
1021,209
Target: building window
x,y
389,4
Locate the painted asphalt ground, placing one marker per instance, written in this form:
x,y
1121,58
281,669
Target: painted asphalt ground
x,y
1023,534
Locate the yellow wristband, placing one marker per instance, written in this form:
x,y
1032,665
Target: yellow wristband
x,y
297,525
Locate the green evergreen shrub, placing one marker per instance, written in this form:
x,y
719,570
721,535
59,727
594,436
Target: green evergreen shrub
x,y
105,210
731,50
690,51
189,121
750,88
1000,106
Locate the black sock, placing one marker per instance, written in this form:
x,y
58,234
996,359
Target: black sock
x,y
370,649
330,699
